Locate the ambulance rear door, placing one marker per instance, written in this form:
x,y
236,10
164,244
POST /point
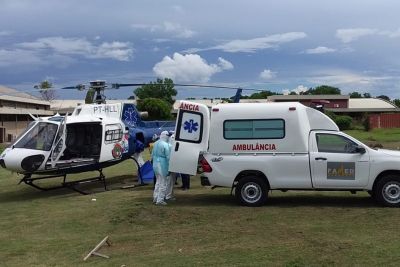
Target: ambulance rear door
x,y
191,137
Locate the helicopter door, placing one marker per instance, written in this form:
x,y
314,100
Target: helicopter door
x,y
191,137
59,145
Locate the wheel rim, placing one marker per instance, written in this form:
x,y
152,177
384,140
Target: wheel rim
x,y
391,192
251,192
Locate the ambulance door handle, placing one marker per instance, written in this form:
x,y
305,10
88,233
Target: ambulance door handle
x,y
217,159
320,158
177,146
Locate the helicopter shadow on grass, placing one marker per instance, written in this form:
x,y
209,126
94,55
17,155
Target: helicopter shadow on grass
x,y
27,193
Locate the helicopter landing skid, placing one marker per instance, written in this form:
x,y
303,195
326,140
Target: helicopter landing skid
x,y
27,179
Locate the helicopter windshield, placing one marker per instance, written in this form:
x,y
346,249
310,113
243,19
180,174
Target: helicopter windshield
x,y
40,137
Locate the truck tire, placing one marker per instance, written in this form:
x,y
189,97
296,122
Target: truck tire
x,y
251,191
387,191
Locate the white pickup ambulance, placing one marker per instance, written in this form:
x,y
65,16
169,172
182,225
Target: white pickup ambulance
x,y
256,147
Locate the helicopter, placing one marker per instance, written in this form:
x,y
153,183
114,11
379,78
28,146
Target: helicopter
x,y
93,137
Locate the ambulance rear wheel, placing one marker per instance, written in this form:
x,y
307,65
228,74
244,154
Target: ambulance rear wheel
x,y
387,191
251,191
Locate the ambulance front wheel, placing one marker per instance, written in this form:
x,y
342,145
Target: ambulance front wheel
x,y
251,191
387,191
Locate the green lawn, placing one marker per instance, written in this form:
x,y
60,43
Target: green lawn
x,y
388,138
202,227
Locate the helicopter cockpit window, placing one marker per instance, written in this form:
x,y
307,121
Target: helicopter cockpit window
x,y
40,137
30,125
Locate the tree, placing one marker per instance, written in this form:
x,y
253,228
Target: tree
x,y
163,89
262,94
355,95
323,90
292,93
46,91
397,102
158,109
367,95
89,96
384,97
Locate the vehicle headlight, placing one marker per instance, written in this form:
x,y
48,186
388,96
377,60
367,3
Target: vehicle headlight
x,y
32,163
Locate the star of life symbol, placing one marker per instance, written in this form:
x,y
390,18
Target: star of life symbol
x,y
190,126
130,117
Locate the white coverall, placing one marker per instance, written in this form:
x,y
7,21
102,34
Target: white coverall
x,y
160,157
171,178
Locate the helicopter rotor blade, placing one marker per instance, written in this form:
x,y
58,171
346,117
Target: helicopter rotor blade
x,y
217,86
79,87
118,85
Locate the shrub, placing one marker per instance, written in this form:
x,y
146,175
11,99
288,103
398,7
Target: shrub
x,y
343,122
330,114
366,124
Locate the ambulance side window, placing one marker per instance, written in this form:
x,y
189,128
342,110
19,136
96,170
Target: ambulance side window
x,y
189,127
254,129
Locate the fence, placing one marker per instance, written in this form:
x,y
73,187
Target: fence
x,y
384,120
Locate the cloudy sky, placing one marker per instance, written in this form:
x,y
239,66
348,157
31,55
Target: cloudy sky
x,y
281,45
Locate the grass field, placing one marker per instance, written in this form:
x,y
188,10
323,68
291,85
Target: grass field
x,y
202,227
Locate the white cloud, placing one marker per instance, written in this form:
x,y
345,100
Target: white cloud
x,y
189,68
19,57
225,64
5,33
115,50
267,74
299,89
391,34
252,45
25,59
352,34
178,9
178,30
61,45
345,77
167,27
320,50
121,51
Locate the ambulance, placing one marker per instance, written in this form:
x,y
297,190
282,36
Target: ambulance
x,y
257,147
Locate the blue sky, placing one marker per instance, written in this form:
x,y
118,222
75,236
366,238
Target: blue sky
x,y
275,45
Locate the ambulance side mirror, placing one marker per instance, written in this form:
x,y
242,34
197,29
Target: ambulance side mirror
x,y
360,149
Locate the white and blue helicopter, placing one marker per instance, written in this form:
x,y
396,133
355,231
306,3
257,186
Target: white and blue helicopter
x,y
93,137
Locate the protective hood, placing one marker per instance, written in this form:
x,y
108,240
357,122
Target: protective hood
x,y
164,136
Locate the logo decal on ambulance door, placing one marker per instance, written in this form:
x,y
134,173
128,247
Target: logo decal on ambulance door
x,y
341,171
190,127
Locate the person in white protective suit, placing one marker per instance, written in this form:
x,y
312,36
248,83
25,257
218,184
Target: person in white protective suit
x,y
171,178
160,156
